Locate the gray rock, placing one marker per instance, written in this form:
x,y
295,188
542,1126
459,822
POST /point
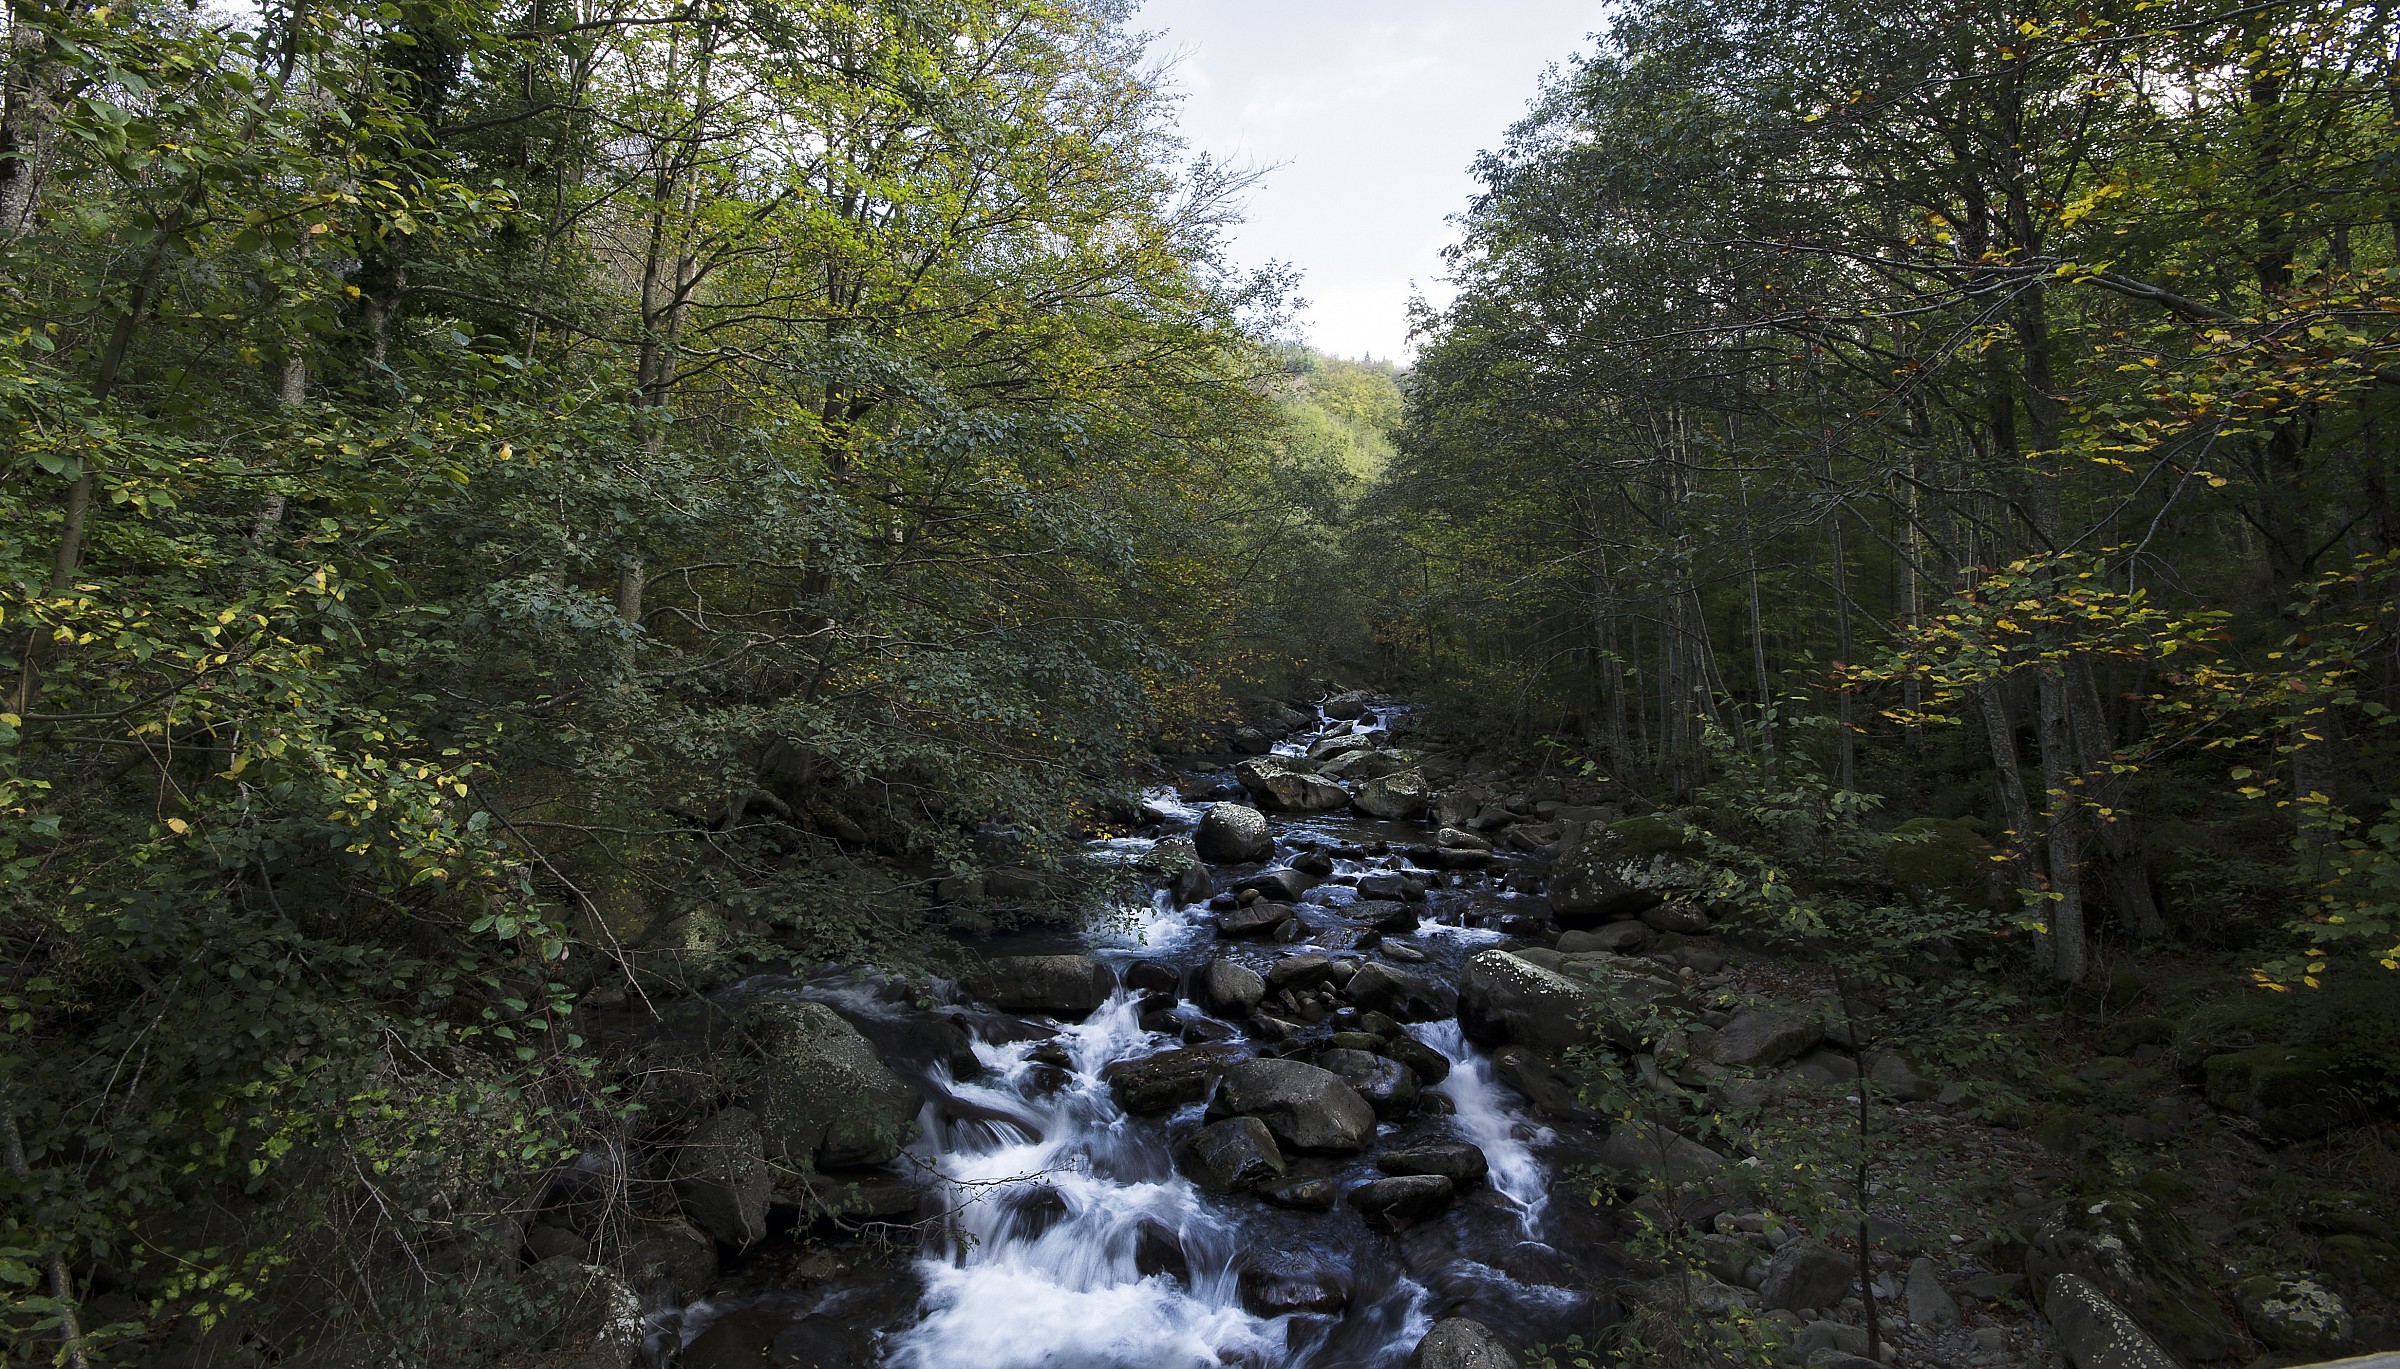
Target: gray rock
x,y
1403,994
1307,1108
1068,987
1462,1164
2143,1258
1347,706
1593,882
1647,1149
1290,785
1504,999
1387,1085
1276,1283
1261,917
2295,1315
1229,989
1929,1304
674,1254
1806,1274
823,1098
1284,885
1461,1343
2095,1332
1394,796
1682,916
1615,936
590,1318
721,1177
1368,764
1304,971
1553,1092
1169,1079
1233,834
1831,1335
1896,1077
1303,1195
1228,1156
1429,1065
1391,1204
1760,1038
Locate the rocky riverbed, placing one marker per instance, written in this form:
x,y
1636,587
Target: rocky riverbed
x,y
1393,1064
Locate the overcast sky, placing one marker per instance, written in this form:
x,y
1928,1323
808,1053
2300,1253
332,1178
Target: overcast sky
x,y
1370,114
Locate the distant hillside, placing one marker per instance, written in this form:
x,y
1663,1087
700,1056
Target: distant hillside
x,y
1343,410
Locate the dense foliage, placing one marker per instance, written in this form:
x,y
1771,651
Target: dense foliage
x,y
487,480
2027,370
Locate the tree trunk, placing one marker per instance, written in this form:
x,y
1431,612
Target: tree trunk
x,y
2068,956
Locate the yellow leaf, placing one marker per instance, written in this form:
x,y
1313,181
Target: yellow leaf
x,y
178,826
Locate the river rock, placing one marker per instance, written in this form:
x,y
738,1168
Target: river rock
x,y
1683,917
1228,1156
1278,1283
823,1098
1429,1065
1366,764
1387,1085
1390,1204
1504,999
721,1178
1463,1343
1620,937
2295,1315
1153,976
1347,706
1805,1274
1233,834
1929,1304
1553,1092
1385,916
1594,881
677,1255
1462,1164
1396,796
1307,1108
1303,1195
1761,1038
1229,989
1304,971
1282,782
1282,885
2143,1258
1403,994
1169,1079
1662,1154
1068,987
2095,1332
1260,918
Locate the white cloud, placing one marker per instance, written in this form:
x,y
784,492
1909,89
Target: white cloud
x,y
1371,114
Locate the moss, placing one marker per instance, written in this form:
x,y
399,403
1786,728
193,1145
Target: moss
x,y
1940,855
2364,1262
2292,1092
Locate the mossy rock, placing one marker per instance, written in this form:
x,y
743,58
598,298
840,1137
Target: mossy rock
x,y
2295,1314
2144,1257
1940,855
2125,1036
1655,834
2363,1262
2292,1092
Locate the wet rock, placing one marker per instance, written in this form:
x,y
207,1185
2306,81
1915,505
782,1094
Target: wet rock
x,y
1367,764
1805,1274
1348,706
1390,884
1233,834
1229,989
1307,1108
1283,885
863,1196
1277,1283
2144,1259
1068,987
1299,972
1303,1195
1289,785
1169,1079
1589,885
1662,1154
1315,863
2292,1092
1400,993
669,1254
1429,1065
1153,976
1395,796
822,1097
2095,1332
1386,917
1390,1204
1761,1038
2295,1315
1387,1085
1262,918
1228,1156
1158,1249
1929,1304
1504,999
1462,1164
1175,863
1249,741
756,1337
1553,1092
1461,1343
1615,936
1455,839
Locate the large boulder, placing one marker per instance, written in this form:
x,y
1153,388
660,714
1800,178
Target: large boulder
x,y
1462,1343
1307,1108
1169,1079
2295,1315
1391,1204
2142,1258
1388,1086
721,1177
2095,1332
1229,989
1175,863
1347,706
1504,999
1068,987
1596,881
2292,1092
1366,765
1761,1038
1228,1156
1403,994
1462,1164
1400,794
1803,1273
1288,784
1259,917
823,1098
1233,834
1662,1155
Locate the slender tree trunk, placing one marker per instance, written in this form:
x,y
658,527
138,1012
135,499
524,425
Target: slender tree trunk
x,y
2068,955
2124,876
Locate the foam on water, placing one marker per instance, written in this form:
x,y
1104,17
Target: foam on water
x,y
1482,1117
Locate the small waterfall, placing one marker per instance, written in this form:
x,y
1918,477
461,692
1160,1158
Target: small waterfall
x,y
1483,1118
